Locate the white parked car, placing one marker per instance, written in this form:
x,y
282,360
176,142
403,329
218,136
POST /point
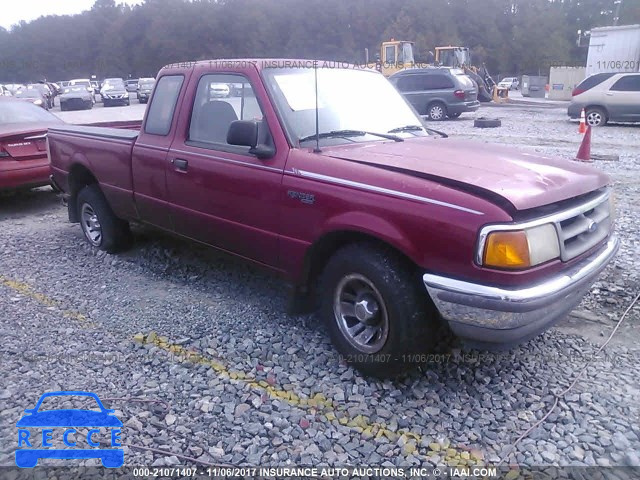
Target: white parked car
x,y
219,90
512,83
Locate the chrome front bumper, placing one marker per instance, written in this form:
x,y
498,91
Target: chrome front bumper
x,y
494,316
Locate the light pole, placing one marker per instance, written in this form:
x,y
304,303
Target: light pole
x,y
616,15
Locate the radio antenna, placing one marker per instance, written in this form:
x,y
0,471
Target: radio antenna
x,y
315,73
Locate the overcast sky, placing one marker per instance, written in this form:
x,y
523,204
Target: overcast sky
x,y
12,11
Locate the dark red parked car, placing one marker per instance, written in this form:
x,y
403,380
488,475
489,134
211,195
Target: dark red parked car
x,y
23,144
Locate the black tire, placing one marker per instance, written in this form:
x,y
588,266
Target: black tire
x,y
128,102
454,115
484,122
437,111
114,234
596,117
411,324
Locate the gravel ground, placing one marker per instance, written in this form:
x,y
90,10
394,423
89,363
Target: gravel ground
x,y
242,383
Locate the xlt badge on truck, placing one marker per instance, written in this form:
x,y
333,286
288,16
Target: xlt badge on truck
x,y
307,198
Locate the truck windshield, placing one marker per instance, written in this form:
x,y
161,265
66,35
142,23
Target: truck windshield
x,y
348,99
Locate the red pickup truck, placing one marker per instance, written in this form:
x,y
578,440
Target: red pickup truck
x,y
325,174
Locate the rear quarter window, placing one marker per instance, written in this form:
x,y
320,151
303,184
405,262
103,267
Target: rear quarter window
x,y
163,105
465,81
437,82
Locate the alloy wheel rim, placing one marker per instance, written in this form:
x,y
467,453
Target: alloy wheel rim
x,y
91,225
361,313
594,119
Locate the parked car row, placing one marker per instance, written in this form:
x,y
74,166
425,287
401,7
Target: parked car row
x,y
81,93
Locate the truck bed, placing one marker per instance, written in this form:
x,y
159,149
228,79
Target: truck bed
x,y
103,151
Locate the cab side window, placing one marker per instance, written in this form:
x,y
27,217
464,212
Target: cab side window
x,y
628,83
221,99
163,105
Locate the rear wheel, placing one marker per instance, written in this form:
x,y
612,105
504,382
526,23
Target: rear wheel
x,y
378,317
437,111
596,117
100,226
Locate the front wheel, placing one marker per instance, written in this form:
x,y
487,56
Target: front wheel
x,y
100,226
596,117
378,317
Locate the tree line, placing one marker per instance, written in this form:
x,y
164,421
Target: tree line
x,y
512,37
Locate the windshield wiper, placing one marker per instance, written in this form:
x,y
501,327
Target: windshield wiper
x,y
406,128
351,133
415,128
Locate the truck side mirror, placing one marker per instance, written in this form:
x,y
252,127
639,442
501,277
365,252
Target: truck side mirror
x,y
246,133
243,132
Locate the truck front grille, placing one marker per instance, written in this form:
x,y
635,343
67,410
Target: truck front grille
x,y
586,227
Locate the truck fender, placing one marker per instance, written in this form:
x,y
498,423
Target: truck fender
x,y
80,175
373,226
343,229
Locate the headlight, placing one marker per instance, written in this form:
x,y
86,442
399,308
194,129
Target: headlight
x,y
126,94
38,102
521,248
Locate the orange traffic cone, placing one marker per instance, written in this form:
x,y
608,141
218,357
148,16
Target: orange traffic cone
x,y
584,152
583,123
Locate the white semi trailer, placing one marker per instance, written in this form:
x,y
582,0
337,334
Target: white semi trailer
x,y
614,49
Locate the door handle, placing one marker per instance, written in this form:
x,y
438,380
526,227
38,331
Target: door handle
x,y
609,94
180,164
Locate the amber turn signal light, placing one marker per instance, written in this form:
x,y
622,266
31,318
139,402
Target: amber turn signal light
x,y
507,250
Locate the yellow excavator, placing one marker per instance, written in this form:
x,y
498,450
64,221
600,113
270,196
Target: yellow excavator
x,y
396,55
460,57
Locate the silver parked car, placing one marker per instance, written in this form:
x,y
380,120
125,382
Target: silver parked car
x,y
607,97
145,87
74,97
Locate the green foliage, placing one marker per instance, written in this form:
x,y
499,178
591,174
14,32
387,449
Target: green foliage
x,y
111,39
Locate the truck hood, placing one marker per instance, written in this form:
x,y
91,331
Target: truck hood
x,y
525,180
